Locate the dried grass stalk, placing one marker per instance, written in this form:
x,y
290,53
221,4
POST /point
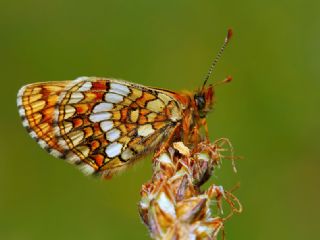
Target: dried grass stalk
x,y
172,204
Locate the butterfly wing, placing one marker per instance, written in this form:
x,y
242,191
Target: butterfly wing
x,y
100,124
36,104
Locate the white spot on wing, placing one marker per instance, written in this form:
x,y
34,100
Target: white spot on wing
x,y
72,158
67,127
20,94
56,130
76,97
55,153
62,143
25,123
175,114
33,135
85,87
102,107
84,150
106,125
113,98
114,149
42,143
166,99
101,116
119,88
76,137
22,112
19,101
113,134
69,111
86,169
145,130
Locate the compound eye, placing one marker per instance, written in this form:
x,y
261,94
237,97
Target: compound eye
x,y
200,102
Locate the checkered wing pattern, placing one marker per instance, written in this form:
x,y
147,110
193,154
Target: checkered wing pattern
x,y
101,125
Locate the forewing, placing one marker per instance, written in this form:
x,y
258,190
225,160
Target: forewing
x,y
103,125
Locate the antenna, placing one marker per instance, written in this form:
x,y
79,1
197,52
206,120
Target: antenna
x,y
215,61
226,80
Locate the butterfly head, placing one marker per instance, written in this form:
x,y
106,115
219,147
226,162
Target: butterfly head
x,y
204,100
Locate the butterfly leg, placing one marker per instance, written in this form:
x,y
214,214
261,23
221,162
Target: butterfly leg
x,y
195,135
164,146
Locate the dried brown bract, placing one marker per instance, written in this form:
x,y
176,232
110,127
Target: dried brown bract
x,y
172,204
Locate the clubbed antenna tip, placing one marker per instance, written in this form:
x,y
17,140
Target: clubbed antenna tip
x,y
228,79
229,35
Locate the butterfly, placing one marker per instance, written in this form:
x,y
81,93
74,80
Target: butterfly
x,y
104,125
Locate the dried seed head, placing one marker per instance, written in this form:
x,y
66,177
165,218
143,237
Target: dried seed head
x,y
172,204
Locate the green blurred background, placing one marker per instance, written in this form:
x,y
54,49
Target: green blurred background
x,y
270,111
